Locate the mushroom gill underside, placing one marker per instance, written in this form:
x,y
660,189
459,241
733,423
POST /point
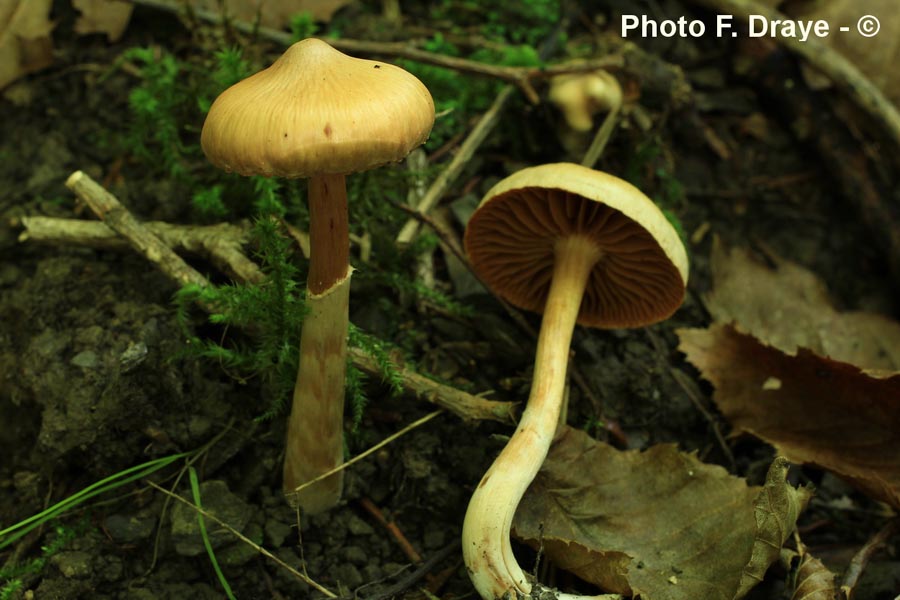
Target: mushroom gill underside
x,y
511,242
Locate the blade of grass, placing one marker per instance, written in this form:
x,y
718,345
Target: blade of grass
x,y
195,492
116,480
301,576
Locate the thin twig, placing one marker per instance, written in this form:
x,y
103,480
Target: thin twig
x,y
463,404
201,452
520,77
827,61
448,238
246,540
396,590
861,558
463,155
689,386
375,448
391,527
601,138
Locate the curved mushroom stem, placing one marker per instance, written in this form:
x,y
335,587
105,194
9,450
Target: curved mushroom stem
x,y
315,435
487,549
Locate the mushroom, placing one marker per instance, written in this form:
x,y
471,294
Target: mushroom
x,y
319,114
579,96
581,246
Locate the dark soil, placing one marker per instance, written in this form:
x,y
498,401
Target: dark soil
x,y
93,378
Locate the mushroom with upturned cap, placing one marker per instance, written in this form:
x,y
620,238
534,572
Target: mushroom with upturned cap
x,y
319,114
580,246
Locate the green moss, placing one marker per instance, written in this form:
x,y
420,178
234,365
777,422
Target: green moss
x,y
11,574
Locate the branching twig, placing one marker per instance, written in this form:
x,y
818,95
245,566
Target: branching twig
x,y
464,405
520,77
108,208
220,243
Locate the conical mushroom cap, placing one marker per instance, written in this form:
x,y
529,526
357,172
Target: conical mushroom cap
x,y
641,276
317,111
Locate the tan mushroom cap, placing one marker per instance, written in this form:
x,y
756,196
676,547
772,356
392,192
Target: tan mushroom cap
x,y
641,276
317,111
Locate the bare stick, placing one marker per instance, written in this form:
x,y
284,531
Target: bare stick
x,y
391,527
446,178
463,404
829,62
110,210
220,243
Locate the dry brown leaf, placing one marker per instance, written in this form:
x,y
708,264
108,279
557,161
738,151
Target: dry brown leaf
x,y
813,580
812,409
25,43
776,509
273,13
103,16
871,55
788,307
659,523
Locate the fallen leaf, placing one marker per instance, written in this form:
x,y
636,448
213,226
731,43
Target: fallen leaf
x,y
25,43
813,580
788,307
658,524
869,53
812,409
103,16
776,509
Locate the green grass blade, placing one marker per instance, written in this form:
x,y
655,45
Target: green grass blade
x,y
16,531
195,492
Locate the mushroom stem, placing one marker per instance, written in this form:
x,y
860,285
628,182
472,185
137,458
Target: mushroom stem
x,y
315,440
487,548
329,232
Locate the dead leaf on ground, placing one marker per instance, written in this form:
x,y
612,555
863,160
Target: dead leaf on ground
x,y
788,307
776,509
103,16
812,580
868,54
658,523
25,43
812,409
